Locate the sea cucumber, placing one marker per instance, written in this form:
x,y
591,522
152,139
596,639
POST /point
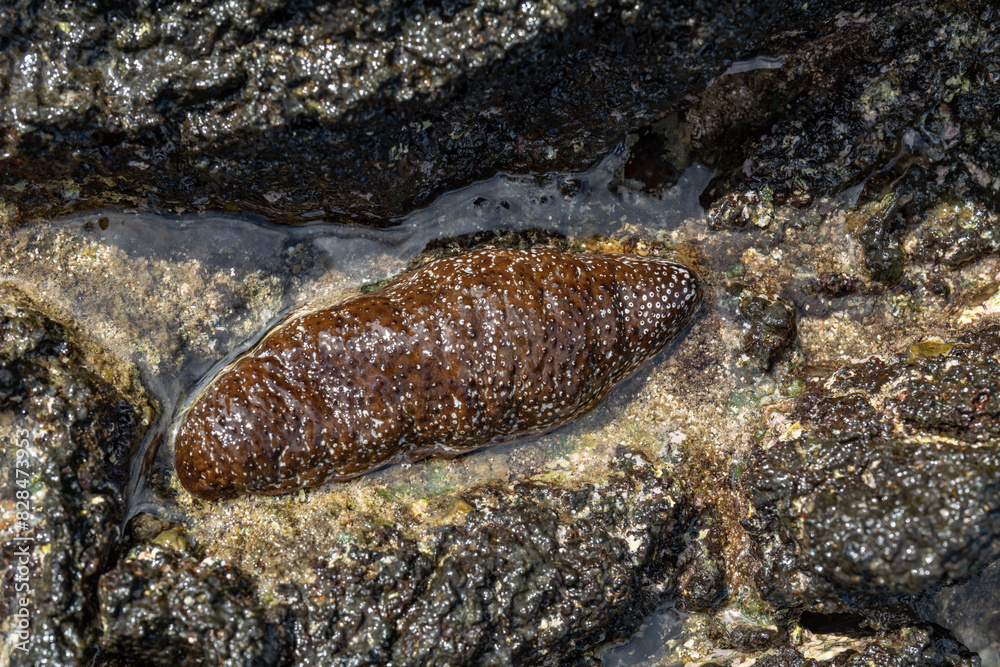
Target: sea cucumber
x,y
487,347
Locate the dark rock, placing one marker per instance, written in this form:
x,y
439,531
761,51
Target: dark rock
x,y
9,384
362,111
972,612
741,634
833,286
653,164
958,399
742,209
821,127
867,499
923,646
771,329
880,242
784,656
66,458
516,567
955,234
165,610
701,579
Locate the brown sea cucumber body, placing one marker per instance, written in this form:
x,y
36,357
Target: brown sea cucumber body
x,y
482,348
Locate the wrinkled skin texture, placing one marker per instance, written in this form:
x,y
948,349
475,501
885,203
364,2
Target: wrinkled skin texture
x,y
487,347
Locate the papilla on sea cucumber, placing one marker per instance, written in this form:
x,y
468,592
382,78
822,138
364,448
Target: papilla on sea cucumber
x,y
482,348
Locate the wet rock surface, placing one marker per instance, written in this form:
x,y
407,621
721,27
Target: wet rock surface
x,y
162,609
770,330
909,646
809,477
864,477
971,612
551,571
67,437
810,142
357,111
